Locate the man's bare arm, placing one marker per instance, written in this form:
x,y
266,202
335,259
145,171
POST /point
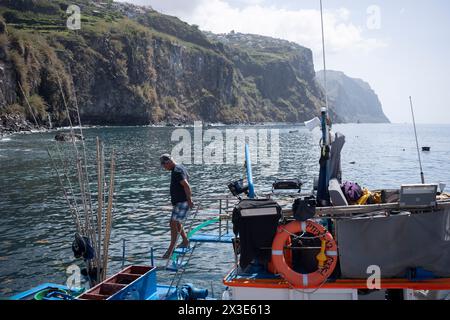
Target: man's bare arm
x,y
188,191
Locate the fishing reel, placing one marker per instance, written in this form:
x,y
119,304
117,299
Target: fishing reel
x,y
238,187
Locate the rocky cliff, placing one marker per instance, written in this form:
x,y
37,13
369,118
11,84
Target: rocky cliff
x,y
277,76
353,100
132,65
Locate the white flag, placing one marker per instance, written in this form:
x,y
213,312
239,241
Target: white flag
x,y
311,124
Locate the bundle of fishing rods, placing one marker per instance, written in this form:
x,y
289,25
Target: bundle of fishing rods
x,y
92,217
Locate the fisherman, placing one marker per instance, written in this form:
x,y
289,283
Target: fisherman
x,y
181,198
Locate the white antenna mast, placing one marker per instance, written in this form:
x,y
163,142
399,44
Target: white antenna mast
x,y
422,177
323,54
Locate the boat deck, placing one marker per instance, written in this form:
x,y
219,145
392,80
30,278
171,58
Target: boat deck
x,y
270,281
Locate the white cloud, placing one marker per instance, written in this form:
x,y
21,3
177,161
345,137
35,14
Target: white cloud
x,y
256,16
300,26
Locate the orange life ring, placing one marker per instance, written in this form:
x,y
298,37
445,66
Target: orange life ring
x,y
282,267
287,257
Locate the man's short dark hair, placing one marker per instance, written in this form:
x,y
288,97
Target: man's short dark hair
x,y
165,158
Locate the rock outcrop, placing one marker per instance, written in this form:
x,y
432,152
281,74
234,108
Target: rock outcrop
x,y
353,100
11,123
68,137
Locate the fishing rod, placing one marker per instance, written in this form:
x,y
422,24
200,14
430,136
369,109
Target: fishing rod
x,y
422,177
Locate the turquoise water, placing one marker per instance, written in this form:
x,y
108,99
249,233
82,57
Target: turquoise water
x,y
36,229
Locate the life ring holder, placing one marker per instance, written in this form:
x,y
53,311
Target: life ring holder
x,y
329,248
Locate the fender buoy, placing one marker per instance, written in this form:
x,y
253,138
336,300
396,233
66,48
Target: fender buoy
x,y
326,267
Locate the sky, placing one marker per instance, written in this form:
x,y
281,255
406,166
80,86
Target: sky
x,y
401,48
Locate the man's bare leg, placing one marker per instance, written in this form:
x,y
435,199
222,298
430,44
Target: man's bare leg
x,y
185,242
173,238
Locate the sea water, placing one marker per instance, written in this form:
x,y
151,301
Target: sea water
x,y
36,228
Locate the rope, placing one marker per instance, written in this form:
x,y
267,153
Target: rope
x,y
295,236
305,291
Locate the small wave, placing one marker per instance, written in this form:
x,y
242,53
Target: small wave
x,y
20,150
5,139
67,128
77,128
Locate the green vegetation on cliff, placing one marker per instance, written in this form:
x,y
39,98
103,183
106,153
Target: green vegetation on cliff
x,y
132,65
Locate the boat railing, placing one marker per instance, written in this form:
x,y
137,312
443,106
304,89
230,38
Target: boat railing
x,y
370,210
216,207
221,207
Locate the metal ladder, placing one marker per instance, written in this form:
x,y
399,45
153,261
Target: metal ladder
x,y
180,271
181,265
